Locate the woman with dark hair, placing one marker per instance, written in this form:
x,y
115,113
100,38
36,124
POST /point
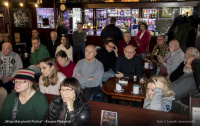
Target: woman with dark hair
x,y
143,38
64,65
69,109
26,104
65,46
50,79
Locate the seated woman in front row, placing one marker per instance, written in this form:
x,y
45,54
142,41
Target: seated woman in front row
x,y
159,94
69,108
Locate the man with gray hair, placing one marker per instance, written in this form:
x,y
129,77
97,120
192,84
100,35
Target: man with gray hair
x,y
186,82
171,61
10,62
179,70
53,44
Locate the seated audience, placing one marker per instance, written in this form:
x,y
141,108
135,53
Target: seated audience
x,y
1,41
64,65
127,40
3,94
128,63
107,56
186,82
10,62
124,27
65,46
179,70
31,103
171,61
38,52
89,72
69,107
161,48
53,44
50,79
159,94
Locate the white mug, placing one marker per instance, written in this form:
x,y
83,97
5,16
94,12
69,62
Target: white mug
x,y
118,87
25,54
136,89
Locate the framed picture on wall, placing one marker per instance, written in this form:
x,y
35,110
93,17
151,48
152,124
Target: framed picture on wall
x,y
22,17
166,12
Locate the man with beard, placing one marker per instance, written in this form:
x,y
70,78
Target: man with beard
x,y
186,82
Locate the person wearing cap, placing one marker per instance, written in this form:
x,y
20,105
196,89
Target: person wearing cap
x,y
31,105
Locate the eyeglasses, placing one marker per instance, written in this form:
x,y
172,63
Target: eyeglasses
x,y
65,90
160,39
111,47
19,82
129,52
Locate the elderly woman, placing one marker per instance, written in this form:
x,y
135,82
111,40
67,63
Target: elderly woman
x,y
50,79
143,38
65,46
69,108
159,94
64,64
30,104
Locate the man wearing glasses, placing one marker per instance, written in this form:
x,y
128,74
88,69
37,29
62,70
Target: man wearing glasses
x,y
128,63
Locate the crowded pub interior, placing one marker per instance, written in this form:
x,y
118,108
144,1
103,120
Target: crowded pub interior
x,y
99,62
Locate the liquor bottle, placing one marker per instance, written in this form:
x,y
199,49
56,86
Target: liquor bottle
x,y
134,77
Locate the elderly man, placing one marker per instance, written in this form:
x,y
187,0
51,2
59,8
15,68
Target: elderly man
x,y
53,44
89,72
179,70
1,40
9,64
128,63
171,61
61,29
112,31
127,40
38,52
79,37
161,48
186,82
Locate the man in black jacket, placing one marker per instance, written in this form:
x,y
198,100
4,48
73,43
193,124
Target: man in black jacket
x,y
112,31
61,29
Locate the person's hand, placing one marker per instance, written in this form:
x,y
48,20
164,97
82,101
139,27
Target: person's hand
x,y
6,79
32,49
160,59
168,78
119,74
78,75
70,103
38,65
116,50
138,44
90,78
158,84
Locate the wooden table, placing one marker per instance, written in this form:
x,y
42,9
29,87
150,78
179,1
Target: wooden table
x,y
109,86
131,116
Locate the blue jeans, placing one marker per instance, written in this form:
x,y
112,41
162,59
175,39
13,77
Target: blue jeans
x,y
80,48
108,74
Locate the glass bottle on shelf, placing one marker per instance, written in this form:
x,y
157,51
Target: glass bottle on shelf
x,y
134,77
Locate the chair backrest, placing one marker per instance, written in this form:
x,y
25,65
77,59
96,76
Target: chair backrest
x,y
196,72
49,97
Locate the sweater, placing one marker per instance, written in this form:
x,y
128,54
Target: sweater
x,y
33,110
79,38
10,64
67,51
144,41
107,59
127,67
159,103
67,70
39,54
93,69
52,89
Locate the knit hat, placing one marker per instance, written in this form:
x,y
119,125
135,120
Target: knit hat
x,y
25,74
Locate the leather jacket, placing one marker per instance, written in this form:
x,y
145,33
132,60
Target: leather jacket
x,y
79,117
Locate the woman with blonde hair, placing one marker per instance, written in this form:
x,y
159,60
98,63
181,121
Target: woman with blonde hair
x,y
65,46
159,94
50,79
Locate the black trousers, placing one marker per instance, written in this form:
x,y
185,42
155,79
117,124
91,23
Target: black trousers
x,y
9,86
88,92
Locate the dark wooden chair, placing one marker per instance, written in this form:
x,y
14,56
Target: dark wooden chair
x,y
193,102
49,97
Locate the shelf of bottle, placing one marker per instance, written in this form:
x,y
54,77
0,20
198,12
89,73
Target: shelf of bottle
x,y
119,16
149,18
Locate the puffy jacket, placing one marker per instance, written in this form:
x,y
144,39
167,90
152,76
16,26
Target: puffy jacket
x,y
79,117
